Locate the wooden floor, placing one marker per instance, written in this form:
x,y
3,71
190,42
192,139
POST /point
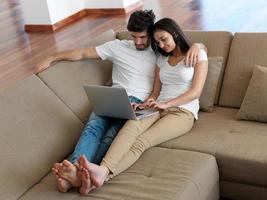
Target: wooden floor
x,y
20,51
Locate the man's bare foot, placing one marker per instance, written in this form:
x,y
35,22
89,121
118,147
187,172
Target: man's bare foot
x,y
62,184
98,173
68,171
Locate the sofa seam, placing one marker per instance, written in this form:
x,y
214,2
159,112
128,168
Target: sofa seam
x,y
54,92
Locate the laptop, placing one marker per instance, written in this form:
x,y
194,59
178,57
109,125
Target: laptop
x,y
114,102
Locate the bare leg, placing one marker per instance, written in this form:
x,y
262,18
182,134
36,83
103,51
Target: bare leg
x,y
98,173
62,184
69,172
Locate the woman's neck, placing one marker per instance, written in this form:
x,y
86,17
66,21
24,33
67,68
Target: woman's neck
x,y
177,52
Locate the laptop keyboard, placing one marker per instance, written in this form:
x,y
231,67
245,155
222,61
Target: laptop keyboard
x,y
138,114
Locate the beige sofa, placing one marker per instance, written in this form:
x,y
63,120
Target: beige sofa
x,y
220,158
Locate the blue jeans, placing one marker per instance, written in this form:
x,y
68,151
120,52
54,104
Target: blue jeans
x,y
97,136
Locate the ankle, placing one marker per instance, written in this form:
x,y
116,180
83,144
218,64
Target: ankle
x,y
106,173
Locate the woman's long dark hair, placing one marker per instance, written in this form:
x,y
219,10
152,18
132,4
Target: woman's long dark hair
x,y
169,25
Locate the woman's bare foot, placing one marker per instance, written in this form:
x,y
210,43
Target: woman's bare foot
x,y
62,184
85,178
68,171
98,173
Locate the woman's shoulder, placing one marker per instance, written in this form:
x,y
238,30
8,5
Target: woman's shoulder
x,y
161,60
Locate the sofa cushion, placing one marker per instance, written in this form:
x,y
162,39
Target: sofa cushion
x,y
36,130
208,133
232,190
156,175
242,159
247,50
254,105
207,97
239,146
217,42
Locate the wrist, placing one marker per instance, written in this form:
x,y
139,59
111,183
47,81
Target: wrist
x,y
150,97
168,104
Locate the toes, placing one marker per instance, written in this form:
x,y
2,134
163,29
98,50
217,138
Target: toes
x,y
55,171
86,173
56,165
86,182
81,160
67,163
66,167
78,166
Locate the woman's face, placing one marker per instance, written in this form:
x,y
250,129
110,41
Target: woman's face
x,y
164,40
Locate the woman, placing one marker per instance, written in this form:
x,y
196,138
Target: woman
x,y
176,93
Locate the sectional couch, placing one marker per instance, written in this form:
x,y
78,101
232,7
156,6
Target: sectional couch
x,y
220,158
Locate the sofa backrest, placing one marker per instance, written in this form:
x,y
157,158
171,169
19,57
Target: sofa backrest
x,y
217,42
66,78
36,130
247,50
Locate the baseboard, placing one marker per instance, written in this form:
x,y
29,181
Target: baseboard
x,y
56,26
79,15
38,28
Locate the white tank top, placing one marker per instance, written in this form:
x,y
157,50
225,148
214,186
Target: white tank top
x,y
176,80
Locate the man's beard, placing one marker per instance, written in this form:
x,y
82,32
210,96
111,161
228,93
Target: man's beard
x,y
141,48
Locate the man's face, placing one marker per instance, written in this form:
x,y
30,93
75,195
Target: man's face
x,y
141,40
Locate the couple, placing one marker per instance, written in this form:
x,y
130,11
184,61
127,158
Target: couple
x,y
159,69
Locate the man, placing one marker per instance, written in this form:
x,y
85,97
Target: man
x,y
133,68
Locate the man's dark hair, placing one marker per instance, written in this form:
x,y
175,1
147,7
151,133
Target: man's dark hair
x,y
141,20
169,25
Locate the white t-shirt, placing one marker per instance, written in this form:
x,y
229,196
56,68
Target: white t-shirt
x,y
132,69
176,80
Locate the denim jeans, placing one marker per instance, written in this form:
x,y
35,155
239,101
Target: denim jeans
x,y
97,136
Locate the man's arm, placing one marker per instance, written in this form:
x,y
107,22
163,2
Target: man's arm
x,y
191,56
201,46
72,55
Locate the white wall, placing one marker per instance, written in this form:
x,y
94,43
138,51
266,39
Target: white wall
x,y
52,11
127,3
103,4
109,3
60,9
35,12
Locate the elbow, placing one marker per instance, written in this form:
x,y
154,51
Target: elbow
x,y
206,49
196,95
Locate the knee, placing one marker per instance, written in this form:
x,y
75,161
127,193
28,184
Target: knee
x,y
96,124
140,145
107,139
